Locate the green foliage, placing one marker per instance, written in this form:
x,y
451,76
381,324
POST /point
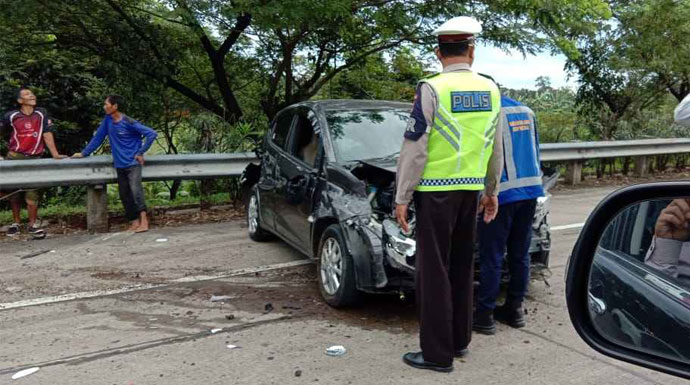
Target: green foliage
x,y
239,59
557,117
62,84
57,210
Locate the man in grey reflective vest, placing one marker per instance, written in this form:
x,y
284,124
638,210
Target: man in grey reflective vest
x,y
445,161
521,185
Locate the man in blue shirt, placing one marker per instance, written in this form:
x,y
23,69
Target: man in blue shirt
x,y
521,185
125,136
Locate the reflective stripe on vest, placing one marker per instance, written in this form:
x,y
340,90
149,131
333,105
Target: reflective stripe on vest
x,y
462,134
510,167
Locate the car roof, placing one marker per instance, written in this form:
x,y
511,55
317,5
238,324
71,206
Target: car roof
x,y
353,104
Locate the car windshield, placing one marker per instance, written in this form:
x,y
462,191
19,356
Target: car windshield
x,y
366,134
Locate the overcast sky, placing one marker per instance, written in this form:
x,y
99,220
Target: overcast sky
x,y
515,71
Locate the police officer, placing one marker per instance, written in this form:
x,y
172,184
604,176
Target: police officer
x,y
448,147
521,185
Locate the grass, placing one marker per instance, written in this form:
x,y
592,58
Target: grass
x,y
64,210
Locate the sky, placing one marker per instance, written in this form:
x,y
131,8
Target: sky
x,y
512,70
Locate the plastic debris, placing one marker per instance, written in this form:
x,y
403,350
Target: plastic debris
x,y
268,308
220,298
298,373
25,372
230,317
214,331
336,350
161,240
232,346
153,319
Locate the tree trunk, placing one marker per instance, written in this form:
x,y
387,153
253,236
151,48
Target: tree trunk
x,y
600,168
175,189
626,166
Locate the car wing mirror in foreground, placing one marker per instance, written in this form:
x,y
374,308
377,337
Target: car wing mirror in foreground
x,y
628,279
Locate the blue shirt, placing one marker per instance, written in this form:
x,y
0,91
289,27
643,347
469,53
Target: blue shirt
x,y
125,139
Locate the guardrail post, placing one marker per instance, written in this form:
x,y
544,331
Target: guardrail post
x,y
573,173
641,166
97,208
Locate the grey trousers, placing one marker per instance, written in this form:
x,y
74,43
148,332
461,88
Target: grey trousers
x,y
131,191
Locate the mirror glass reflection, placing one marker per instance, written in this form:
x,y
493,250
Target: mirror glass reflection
x,y
639,287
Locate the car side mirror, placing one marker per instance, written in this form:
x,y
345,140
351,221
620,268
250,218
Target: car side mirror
x,y
628,278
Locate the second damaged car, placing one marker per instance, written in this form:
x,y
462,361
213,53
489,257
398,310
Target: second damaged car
x,y
326,185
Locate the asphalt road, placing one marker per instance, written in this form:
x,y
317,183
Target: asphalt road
x,y
135,309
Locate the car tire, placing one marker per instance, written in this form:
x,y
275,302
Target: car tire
x,y
337,290
256,233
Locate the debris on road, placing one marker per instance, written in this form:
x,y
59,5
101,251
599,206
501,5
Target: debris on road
x,y
161,240
220,298
214,331
298,373
230,317
268,308
336,350
36,254
232,347
25,372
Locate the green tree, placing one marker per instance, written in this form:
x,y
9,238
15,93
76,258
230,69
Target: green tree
x,y
280,52
655,34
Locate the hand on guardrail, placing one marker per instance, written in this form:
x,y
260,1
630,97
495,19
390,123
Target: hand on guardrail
x,y
60,156
139,159
78,155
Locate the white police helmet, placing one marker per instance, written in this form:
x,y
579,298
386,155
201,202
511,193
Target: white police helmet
x,y
458,29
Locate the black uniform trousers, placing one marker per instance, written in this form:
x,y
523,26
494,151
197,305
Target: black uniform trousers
x,y
446,226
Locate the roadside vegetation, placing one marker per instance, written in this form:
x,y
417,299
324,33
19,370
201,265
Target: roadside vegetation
x,y
209,75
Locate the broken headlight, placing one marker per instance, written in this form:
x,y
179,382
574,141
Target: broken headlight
x,y
400,249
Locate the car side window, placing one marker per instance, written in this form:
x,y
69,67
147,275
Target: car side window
x,y
305,143
282,129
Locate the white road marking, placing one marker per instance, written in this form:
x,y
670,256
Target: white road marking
x,y
566,227
133,288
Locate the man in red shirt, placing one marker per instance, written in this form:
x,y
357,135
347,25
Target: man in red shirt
x,y
31,131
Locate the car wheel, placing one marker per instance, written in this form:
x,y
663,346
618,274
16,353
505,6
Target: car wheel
x,y
336,270
256,233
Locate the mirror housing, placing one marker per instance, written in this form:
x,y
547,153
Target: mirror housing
x,y
578,295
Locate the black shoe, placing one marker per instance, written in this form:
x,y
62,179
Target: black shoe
x,y
36,232
511,314
461,353
483,322
416,360
12,230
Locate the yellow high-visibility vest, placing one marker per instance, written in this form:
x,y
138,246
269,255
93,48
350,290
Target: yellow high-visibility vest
x,y
462,136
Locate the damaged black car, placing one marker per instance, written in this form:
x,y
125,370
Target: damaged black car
x,y
326,186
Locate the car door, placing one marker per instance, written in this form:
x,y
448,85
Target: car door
x,y
299,179
271,182
642,293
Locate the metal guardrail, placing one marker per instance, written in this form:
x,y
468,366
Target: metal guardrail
x,y
98,170
554,152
